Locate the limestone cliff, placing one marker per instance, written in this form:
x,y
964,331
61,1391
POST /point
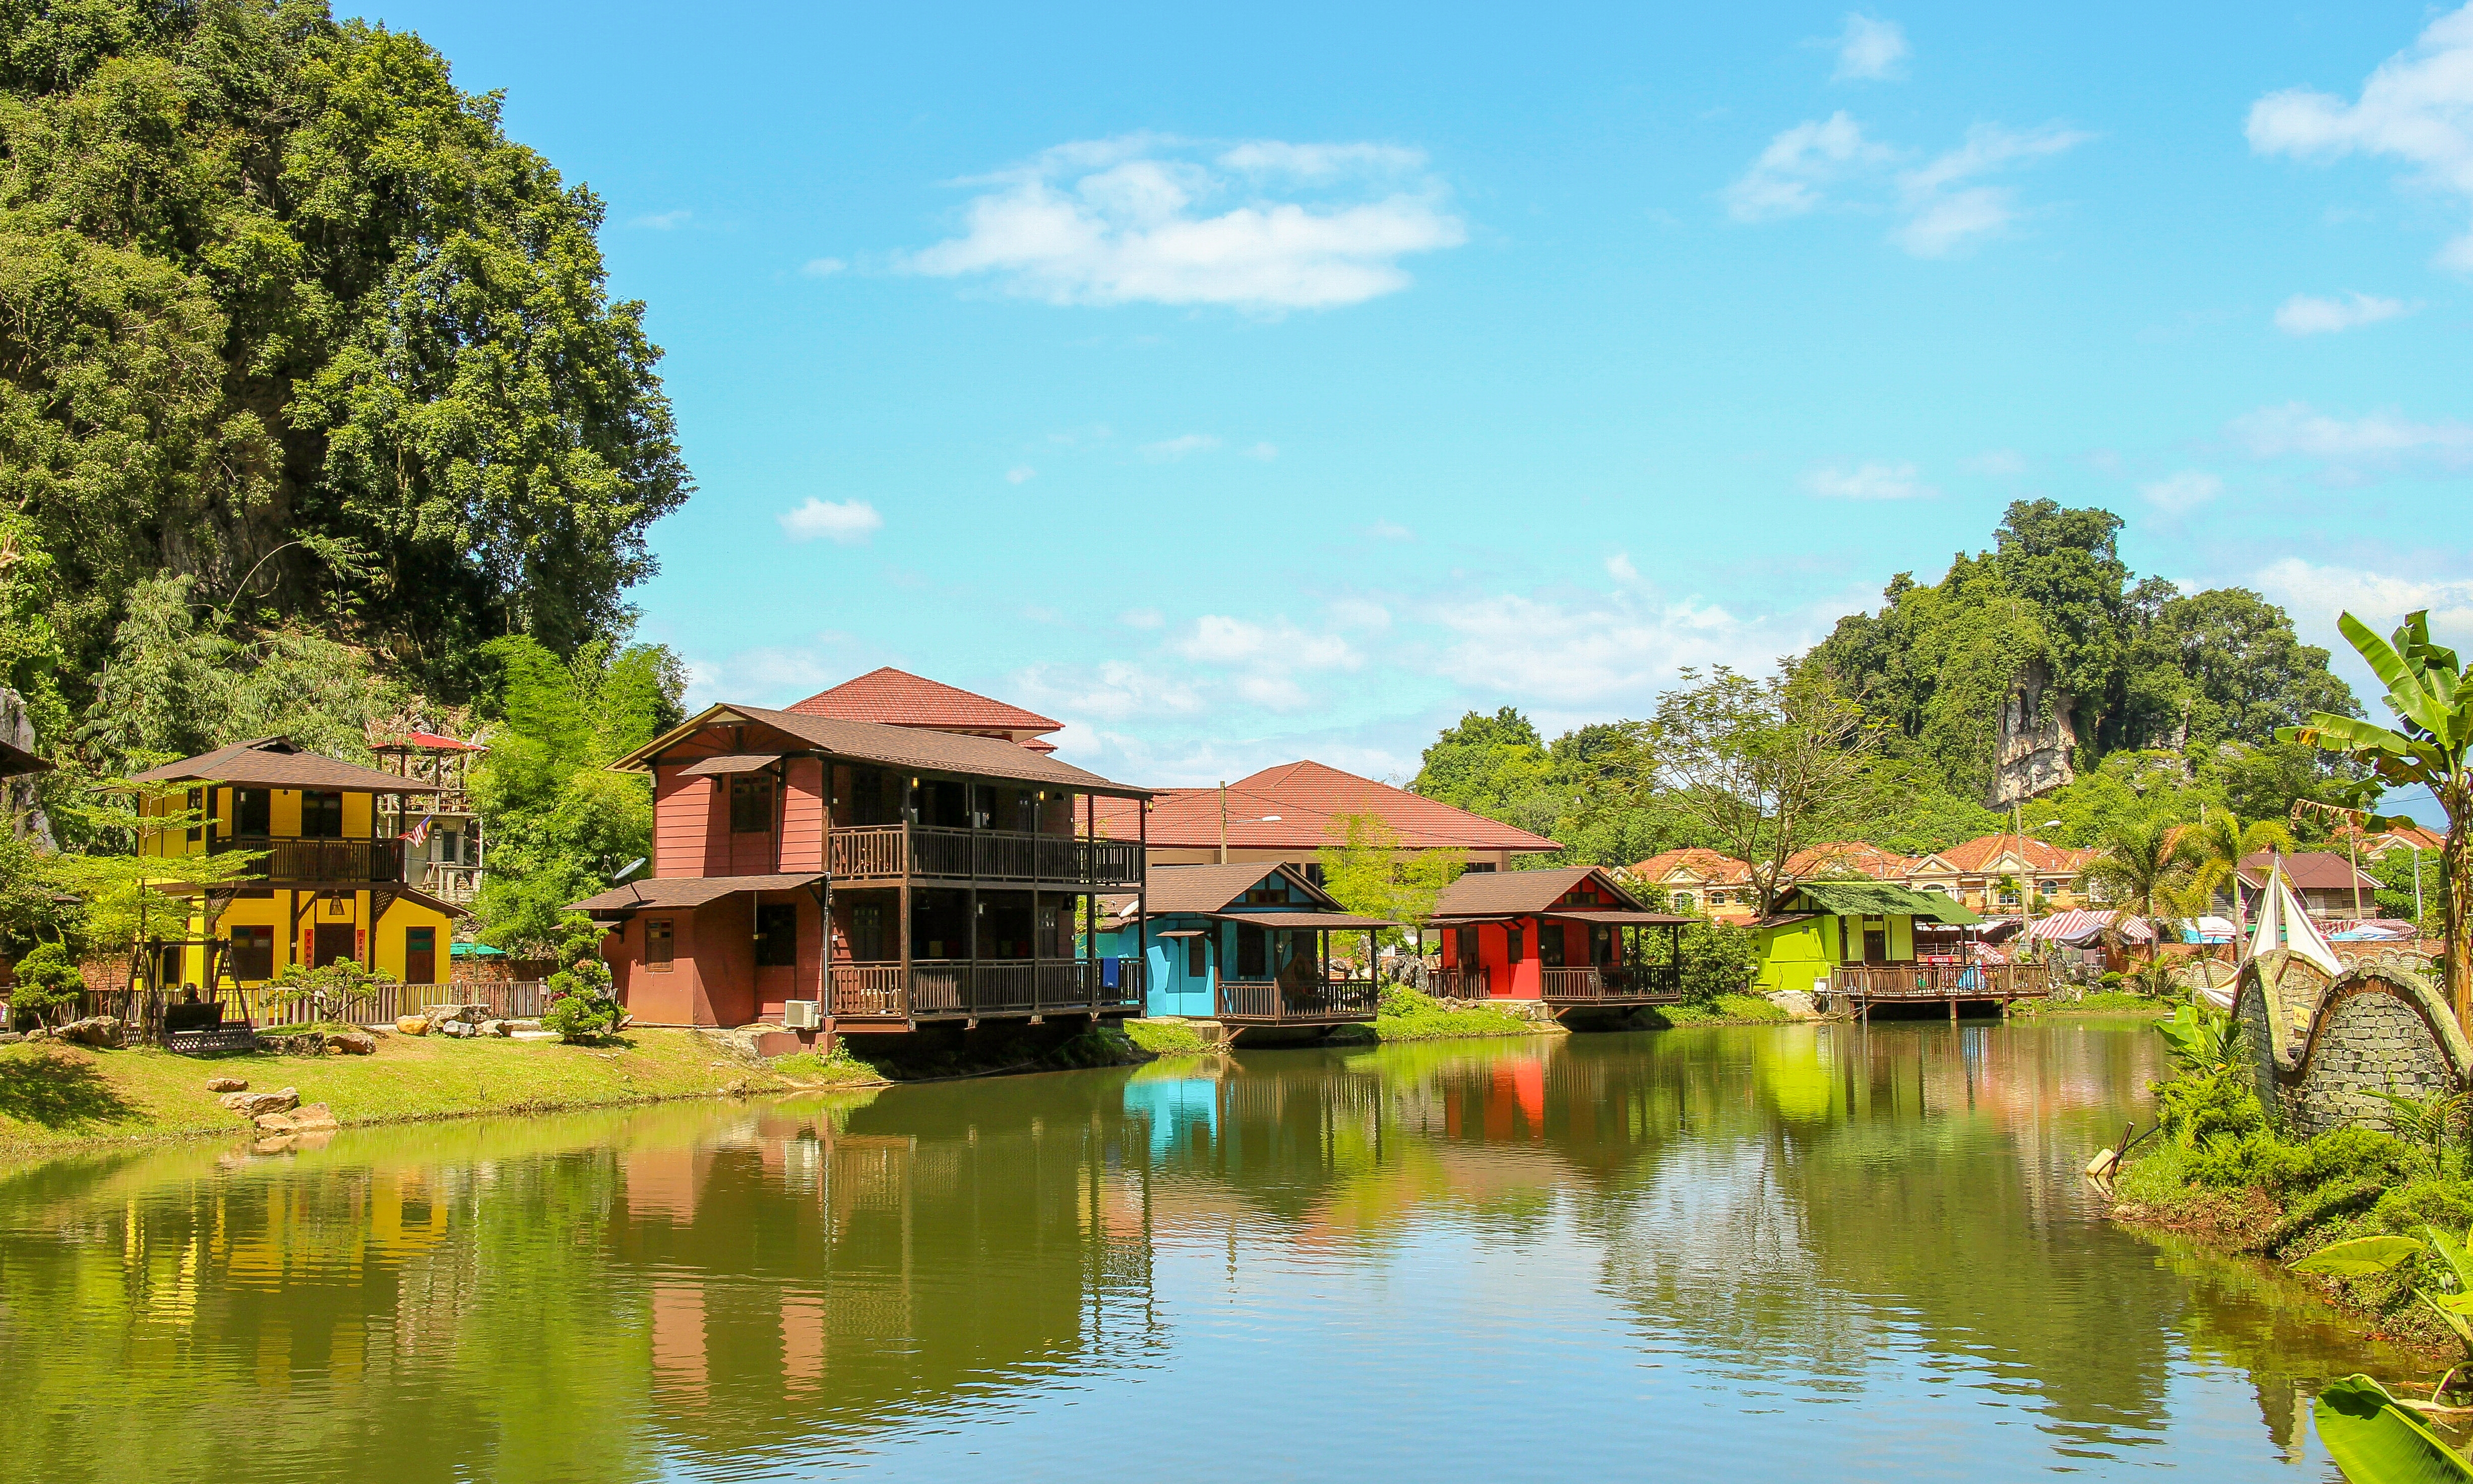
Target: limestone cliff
x,y
2032,755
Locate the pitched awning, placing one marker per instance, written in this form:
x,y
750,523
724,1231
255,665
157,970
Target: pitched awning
x,y
681,892
1881,899
1620,919
728,763
1290,921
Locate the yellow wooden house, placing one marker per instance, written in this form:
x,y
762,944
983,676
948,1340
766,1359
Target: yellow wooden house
x,y
326,883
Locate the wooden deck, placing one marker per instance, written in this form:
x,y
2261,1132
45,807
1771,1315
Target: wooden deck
x,y
1613,985
1863,987
1268,1003
892,853
886,996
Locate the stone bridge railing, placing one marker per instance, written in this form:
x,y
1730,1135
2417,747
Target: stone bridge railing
x,y
2318,1047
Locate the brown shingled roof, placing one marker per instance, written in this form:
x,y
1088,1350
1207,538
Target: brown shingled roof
x,y
1496,893
897,698
275,762
681,892
1297,807
895,747
1212,888
2314,870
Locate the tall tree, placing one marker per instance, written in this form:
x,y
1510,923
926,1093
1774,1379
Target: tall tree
x,y
1768,766
2217,847
2431,695
2143,868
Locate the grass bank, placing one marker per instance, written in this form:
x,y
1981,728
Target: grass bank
x,y
1717,1010
54,1096
2096,1002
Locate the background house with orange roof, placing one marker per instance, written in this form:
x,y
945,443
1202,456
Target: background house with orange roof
x,y
896,698
1984,873
1289,812
1846,860
1698,879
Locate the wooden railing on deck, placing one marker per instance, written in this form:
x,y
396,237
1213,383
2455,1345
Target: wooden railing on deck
x,y
949,988
1459,983
883,851
1941,981
1611,984
1268,1002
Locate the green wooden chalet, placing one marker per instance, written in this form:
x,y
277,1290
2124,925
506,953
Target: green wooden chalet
x,y
1822,927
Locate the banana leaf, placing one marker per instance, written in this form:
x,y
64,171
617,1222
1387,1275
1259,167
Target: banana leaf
x,y
2363,1255
2375,1441
2452,1253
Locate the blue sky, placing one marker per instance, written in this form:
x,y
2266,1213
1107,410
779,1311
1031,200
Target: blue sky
x,y
1240,386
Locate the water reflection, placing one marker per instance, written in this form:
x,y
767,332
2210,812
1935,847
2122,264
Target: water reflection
x,y
1821,1246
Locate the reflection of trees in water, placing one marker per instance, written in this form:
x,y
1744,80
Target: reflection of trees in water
x,y
570,1297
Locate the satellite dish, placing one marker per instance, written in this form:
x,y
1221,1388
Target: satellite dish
x,y
628,870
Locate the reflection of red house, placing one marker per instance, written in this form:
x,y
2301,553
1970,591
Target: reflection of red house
x,y
1570,938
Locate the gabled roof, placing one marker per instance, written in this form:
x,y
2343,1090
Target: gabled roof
x,y
2310,871
1848,857
1708,866
1214,888
1497,892
1979,853
1880,898
871,742
1297,807
897,698
276,763
2408,837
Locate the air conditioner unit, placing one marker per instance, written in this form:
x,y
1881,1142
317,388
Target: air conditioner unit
x,y
802,1014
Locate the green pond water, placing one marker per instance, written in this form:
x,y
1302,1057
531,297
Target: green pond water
x,y
1794,1252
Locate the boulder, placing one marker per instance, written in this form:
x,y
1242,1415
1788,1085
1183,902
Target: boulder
x,y
469,1015
9,1038
413,1026
536,1035
313,1119
494,1028
519,1027
352,1042
273,1123
459,1029
249,1105
1795,1003
226,1084
106,1031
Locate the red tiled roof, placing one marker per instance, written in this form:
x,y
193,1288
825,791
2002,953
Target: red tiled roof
x,y
2412,837
1982,851
1840,857
2310,871
1710,866
896,698
1297,805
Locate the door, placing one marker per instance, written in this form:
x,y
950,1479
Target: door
x,y
1876,944
332,943
421,955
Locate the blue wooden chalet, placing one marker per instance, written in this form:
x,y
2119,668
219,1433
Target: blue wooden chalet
x,y
1246,943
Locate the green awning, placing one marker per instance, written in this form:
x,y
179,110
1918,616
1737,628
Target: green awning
x,y
1881,899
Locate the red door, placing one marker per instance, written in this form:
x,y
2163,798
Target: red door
x,y
333,943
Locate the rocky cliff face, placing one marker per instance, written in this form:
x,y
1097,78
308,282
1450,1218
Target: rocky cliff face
x,y
19,804
2033,754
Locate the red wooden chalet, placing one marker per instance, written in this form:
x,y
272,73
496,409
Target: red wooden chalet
x,y
951,867
1570,938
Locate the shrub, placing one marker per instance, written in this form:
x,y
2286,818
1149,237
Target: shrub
x,y
582,1006
1718,958
48,986
2198,1110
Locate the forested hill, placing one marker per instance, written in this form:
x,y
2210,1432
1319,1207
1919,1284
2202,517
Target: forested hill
x,y
297,351
2042,667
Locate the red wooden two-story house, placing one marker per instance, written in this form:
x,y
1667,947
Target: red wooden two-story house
x,y
1572,938
953,872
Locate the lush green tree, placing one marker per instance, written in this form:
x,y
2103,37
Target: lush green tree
x,y
1366,871
2216,847
560,826
283,310
1492,765
2431,695
2142,866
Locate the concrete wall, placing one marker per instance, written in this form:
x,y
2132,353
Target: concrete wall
x,y
2317,1049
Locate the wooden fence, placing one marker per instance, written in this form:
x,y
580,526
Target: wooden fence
x,y
958,988
1268,1002
265,1008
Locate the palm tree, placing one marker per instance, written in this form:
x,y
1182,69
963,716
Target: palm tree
x,y
2217,846
2141,868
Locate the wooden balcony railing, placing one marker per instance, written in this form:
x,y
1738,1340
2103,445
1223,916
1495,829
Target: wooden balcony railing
x,y
335,861
892,851
959,989
1612,984
1268,1002
1941,981
1459,983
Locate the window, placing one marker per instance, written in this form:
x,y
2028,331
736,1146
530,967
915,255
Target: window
x,y
197,812
1253,952
751,805
1515,948
253,954
1197,959
777,935
657,945
322,814
250,814
1549,943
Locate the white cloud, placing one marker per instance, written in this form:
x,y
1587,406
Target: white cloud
x,y
1386,530
1168,450
2179,493
1117,691
1618,567
1868,482
1265,452
1870,48
822,266
1274,692
768,676
1264,226
663,221
1219,639
1998,463
1021,473
2382,440
2315,594
1944,214
2304,315
1600,653
2417,106
840,522
1141,618
1359,613
1786,178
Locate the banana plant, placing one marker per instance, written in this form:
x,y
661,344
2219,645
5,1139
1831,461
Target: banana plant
x,y
2363,1256
2201,1041
2431,697
2376,1439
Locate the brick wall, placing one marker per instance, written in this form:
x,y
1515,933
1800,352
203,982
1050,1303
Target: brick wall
x,y
2317,1049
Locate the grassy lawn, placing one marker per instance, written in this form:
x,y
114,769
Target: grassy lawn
x,y
1718,1009
54,1096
